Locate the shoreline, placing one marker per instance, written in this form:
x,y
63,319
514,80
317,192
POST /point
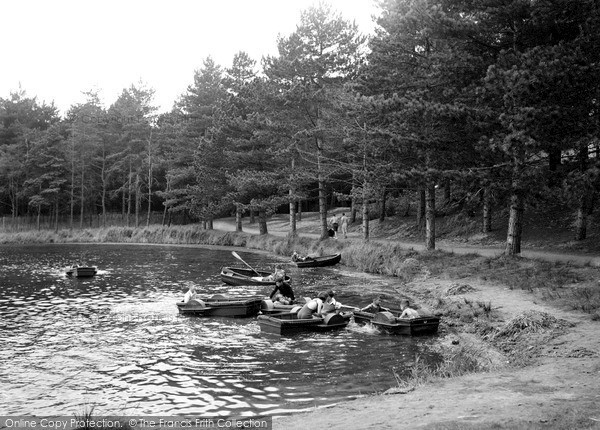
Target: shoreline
x,y
546,378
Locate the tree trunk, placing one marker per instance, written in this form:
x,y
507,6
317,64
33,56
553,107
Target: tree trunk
x,y
582,216
262,222
82,200
382,203
56,219
487,210
322,197
72,218
353,210
104,186
168,188
292,202
39,215
584,200
299,217
420,206
137,200
209,224
292,216
430,216
252,219
515,223
447,191
129,194
554,160
365,212
238,219
149,179
333,203
123,203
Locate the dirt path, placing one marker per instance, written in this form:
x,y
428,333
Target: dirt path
x,y
279,228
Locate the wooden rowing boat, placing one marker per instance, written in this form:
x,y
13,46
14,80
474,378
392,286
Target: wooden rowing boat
x,y
390,322
323,261
243,276
222,306
287,323
82,271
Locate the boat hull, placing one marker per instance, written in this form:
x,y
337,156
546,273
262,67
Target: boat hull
x,y
326,260
288,323
82,272
240,276
268,307
425,325
230,307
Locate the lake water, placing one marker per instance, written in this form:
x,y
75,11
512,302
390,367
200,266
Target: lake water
x,y
116,341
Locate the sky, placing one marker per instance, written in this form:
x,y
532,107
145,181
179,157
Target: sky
x,y
57,49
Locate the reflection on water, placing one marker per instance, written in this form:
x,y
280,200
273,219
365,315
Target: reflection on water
x,y
116,341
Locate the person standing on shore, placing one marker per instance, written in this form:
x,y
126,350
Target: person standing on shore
x,y
344,221
334,225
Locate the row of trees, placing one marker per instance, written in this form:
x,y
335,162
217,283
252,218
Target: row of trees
x,y
495,98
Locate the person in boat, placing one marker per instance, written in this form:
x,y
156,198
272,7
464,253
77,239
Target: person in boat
x,y
282,292
330,305
298,257
191,297
375,306
277,273
407,311
313,307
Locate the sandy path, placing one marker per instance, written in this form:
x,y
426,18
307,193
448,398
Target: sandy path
x,y
279,228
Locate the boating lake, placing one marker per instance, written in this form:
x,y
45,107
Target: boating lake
x,y
117,343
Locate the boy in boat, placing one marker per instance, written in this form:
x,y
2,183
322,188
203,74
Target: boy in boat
x,y
191,297
374,307
330,305
407,312
283,292
298,257
313,307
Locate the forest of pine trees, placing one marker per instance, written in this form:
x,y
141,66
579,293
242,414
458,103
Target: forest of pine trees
x,y
496,99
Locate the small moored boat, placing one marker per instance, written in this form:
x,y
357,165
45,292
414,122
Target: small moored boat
x,y
222,306
242,276
323,261
287,323
390,322
82,271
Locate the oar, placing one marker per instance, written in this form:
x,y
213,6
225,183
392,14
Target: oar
x,y
235,254
349,308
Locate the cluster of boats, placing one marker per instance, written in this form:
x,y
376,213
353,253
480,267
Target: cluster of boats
x,y
280,319
277,318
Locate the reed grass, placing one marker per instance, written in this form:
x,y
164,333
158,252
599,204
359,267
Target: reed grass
x,y
460,362
88,421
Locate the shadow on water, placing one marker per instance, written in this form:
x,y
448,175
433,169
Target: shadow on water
x,y
116,341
